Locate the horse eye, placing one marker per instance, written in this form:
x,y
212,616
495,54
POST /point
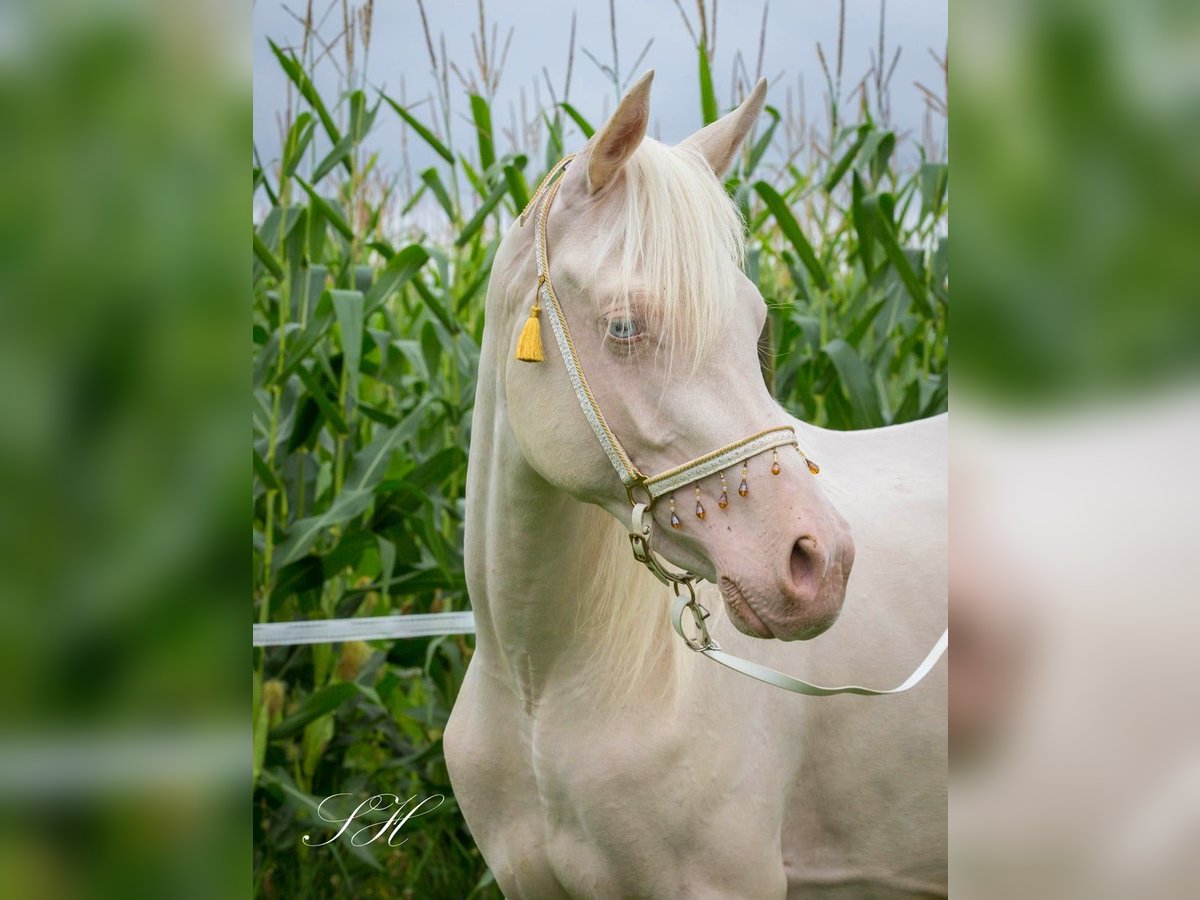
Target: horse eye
x,y
622,329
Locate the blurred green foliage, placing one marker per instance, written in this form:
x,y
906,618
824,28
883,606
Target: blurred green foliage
x,y
1076,126
122,460
366,345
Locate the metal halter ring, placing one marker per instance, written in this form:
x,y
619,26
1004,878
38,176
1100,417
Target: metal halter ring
x,y
703,641
634,501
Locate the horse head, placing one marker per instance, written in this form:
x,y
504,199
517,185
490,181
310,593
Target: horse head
x,y
645,250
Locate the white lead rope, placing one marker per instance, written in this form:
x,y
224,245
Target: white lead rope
x,y
778,679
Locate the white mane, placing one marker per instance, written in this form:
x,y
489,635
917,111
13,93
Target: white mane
x,y
681,239
626,608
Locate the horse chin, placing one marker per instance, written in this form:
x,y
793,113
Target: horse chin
x,y
741,613
748,618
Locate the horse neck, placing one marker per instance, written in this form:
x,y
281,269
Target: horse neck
x,y
560,604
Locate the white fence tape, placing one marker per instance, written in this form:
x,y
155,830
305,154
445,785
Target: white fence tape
x,y
367,628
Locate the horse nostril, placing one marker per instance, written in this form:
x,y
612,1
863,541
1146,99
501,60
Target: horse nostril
x,y
801,564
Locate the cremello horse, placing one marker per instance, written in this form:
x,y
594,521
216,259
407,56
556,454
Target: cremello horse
x,y
592,752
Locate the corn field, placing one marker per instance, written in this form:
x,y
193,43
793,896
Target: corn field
x,y
368,310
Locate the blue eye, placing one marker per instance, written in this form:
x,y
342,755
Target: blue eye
x,y
621,329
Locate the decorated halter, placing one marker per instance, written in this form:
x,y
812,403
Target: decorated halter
x,y
644,491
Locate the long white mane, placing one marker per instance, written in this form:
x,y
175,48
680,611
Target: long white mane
x,y
626,609
680,239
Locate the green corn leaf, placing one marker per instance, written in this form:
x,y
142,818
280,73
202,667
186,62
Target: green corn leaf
x,y
383,248
299,347
387,563
584,125
414,200
296,74
905,196
339,154
847,159
348,306
275,222
317,704
303,534
361,118
317,735
431,473
400,269
910,403
298,138
471,290
863,228
431,347
264,256
934,179
436,306
327,210
481,114
856,383
330,411
708,97
442,260
432,180
880,206
940,272
260,179
477,182
480,217
554,140
937,399
370,464
764,142
422,131
266,361
857,331
882,156
264,473
791,230
517,189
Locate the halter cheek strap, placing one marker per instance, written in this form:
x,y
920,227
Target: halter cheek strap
x,y
529,349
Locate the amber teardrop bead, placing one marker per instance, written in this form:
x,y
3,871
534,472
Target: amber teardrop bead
x,y
812,466
699,510
675,523
723,500
743,488
774,468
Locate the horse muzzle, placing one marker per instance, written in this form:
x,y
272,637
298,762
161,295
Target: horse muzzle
x,y
797,597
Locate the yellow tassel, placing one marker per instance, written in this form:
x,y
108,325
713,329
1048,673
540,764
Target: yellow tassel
x,y
529,344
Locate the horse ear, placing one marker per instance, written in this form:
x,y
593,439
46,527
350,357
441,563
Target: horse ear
x,y
720,141
615,142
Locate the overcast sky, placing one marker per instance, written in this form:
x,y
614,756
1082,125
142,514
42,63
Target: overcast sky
x,y
540,39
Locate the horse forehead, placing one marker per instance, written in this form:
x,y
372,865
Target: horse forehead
x,y
582,263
